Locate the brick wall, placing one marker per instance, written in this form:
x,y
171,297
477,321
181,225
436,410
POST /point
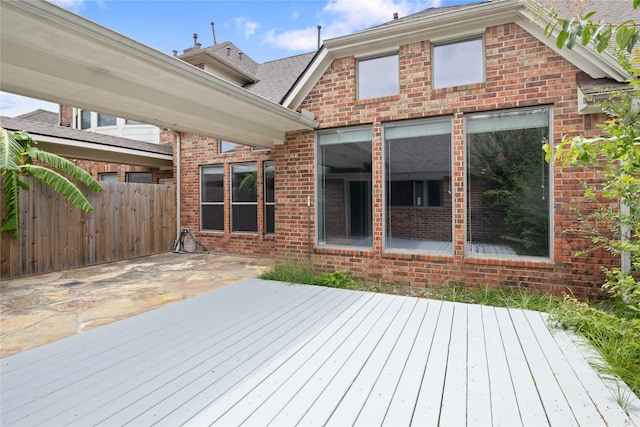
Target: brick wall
x,y
197,151
520,72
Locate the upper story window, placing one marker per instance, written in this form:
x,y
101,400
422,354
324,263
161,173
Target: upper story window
x,y
458,63
378,77
106,120
85,119
226,147
139,177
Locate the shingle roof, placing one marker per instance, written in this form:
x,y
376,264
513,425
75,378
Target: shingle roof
x,y
429,12
612,11
275,78
35,128
41,116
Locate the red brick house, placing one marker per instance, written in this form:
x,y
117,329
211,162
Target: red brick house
x,y
427,165
411,151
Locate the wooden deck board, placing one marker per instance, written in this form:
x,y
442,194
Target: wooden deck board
x,y
261,352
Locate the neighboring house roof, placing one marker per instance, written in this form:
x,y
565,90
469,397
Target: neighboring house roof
x,y
41,116
275,78
450,23
612,11
78,144
271,80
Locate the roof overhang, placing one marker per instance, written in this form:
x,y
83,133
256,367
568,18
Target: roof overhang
x,y
206,57
55,55
446,26
77,144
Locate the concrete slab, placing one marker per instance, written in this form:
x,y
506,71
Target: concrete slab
x,y
37,310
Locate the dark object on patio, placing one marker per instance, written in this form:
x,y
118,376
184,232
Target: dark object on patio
x,y
186,243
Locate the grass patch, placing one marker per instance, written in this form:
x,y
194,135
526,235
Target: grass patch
x,y
614,331
610,326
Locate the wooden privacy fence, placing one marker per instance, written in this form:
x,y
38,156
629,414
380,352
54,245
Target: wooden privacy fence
x,y
130,220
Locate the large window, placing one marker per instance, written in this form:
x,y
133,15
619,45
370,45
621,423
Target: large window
x,y
508,183
378,77
458,63
244,198
212,198
418,184
269,198
344,187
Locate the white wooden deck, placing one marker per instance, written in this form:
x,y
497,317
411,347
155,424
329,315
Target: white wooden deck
x,y
259,352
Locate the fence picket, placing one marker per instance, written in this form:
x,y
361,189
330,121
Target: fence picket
x,y
130,220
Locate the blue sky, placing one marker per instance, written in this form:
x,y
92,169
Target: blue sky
x,y
264,29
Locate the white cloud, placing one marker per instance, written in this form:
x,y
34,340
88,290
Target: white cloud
x,y
73,5
341,17
250,29
12,105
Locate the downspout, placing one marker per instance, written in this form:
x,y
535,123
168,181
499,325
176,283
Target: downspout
x,y
178,182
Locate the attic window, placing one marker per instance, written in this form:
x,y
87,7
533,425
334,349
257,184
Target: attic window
x,y
226,147
458,63
378,77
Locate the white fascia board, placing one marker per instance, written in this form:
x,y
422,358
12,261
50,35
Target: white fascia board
x,y
101,152
534,19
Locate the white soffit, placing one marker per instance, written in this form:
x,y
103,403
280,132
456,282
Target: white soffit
x,y
52,54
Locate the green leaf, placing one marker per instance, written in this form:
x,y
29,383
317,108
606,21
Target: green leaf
x,y
65,166
10,151
572,39
562,38
589,15
61,185
633,40
586,35
11,200
603,40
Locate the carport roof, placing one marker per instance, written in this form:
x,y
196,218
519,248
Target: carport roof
x,y
55,55
78,144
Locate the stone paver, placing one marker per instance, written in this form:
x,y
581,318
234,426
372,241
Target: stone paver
x,y
36,310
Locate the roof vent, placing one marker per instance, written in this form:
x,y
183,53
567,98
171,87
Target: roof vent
x,y
319,28
228,51
195,39
175,52
213,29
395,15
240,55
